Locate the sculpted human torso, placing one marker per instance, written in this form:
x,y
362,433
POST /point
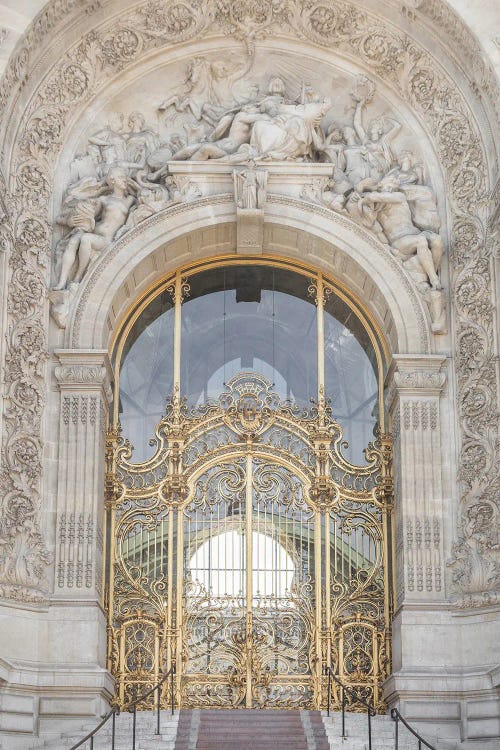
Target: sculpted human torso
x,y
94,232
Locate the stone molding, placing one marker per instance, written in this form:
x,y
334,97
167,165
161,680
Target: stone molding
x,y
391,55
414,375
278,208
84,369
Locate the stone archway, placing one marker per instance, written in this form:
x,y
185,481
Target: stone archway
x,y
54,103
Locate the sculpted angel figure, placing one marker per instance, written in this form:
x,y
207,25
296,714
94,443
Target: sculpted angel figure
x,y
141,141
239,133
381,132
94,224
108,145
334,144
353,159
407,171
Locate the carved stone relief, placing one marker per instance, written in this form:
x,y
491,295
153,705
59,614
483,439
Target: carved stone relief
x,y
123,174
389,54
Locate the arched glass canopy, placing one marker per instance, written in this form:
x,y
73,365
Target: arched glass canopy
x,y
294,326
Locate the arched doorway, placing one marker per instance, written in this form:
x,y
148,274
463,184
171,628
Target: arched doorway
x,y
249,540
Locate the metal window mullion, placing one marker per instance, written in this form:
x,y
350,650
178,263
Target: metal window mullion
x,y
249,571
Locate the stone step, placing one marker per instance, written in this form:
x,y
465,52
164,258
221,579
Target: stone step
x,y
241,729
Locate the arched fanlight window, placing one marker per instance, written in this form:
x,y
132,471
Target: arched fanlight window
x,y
292,325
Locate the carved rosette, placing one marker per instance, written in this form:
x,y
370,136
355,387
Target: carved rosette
x,y
117,45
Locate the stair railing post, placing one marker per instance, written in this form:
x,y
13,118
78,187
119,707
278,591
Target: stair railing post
x,y
369,729
329,689
92,743
343,712
113,730
158,709
134,718
172,673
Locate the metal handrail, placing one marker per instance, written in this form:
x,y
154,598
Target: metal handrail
x,y
396,716
115,711
132,708
370,709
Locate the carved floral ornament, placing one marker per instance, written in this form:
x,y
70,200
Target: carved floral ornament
x,y
118,44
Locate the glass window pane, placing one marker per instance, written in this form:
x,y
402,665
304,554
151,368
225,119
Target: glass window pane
x,y
248,318
146,375
350,377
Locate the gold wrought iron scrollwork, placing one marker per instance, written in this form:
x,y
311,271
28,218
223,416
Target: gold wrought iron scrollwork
x,y
249,551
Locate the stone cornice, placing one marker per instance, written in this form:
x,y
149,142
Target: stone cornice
x,y
418,376
83,370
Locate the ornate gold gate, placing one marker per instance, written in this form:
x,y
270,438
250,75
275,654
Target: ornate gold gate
x,y
249,552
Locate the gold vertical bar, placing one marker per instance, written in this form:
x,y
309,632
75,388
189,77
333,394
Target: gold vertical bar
x,y
106,553
111,581
170,583
148,552
122,666
387,583
249,573
317,589
328,613
320,320
179,609
177,332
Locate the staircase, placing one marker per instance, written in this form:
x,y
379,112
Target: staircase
x,y
251,730
356,733
243,730
146,739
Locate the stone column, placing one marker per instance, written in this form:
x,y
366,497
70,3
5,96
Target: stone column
x,y
424,639
84,384
415,384
75,643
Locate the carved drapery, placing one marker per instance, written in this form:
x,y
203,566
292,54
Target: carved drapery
x,y
390,54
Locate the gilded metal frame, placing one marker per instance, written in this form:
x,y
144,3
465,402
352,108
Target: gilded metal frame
x,y
345,606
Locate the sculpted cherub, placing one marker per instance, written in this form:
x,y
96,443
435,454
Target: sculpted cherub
x,y
94,223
